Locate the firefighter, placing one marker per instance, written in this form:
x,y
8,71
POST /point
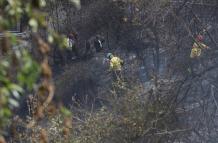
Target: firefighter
x,y
115,65
98,43
197,47
196,51
72,43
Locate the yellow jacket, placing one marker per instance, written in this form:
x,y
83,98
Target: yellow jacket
x,y
196,49
116,64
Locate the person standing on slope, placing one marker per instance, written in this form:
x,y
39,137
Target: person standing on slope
x,y
115,65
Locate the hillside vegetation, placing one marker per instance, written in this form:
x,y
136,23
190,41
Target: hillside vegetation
x,y
165,92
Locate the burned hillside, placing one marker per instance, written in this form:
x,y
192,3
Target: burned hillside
x,y
109,71
155,45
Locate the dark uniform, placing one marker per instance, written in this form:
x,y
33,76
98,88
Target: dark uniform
x,y
98,44
73,40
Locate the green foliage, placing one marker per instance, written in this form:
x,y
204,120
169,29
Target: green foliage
x,y
18,70
14,77
29,72
76,3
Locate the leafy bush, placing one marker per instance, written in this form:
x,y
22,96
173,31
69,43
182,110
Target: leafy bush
x,y
19,72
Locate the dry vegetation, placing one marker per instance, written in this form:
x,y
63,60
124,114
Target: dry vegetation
x,y
157,101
